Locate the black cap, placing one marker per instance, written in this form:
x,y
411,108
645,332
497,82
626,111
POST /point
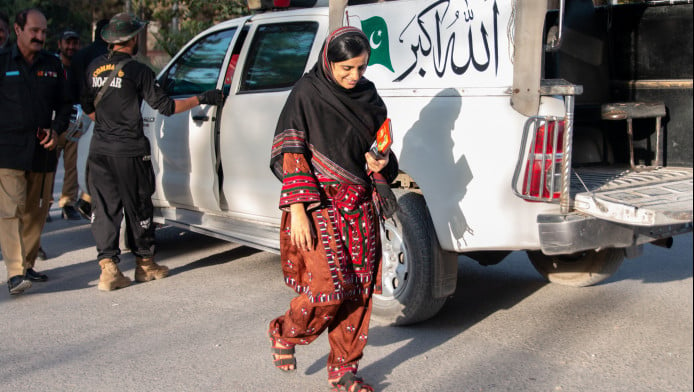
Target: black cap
x,y
67,34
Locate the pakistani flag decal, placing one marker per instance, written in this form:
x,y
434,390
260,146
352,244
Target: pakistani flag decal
x,y
375,28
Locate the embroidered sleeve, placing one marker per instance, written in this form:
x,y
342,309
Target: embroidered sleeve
x,y
299,185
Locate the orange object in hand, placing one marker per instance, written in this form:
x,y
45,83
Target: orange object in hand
x,y
384,139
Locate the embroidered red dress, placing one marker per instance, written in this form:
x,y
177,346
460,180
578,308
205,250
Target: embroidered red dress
x,y
336,279
318,152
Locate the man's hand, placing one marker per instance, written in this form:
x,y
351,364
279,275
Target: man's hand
x,y
211,97
50,140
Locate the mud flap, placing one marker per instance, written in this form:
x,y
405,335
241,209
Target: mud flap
x,y
445,274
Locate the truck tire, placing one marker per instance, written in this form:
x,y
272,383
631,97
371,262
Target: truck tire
x,y
410,248
579,269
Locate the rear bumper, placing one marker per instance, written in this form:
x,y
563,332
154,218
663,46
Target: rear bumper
x,y
571,233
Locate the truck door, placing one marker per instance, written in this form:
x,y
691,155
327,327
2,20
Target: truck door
x,y
183,144
276,54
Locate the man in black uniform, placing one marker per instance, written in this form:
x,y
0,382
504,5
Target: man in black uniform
x,y
80,61
68,44
32,87
120,174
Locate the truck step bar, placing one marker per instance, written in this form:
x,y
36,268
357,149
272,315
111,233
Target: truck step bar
x,y
644,196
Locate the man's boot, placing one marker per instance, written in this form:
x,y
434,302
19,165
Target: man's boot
x,y
111,278
147,270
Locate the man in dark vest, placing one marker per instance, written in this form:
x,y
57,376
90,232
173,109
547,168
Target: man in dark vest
x,y
32,88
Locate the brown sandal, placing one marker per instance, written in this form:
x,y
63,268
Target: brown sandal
x,y
348,381
281,363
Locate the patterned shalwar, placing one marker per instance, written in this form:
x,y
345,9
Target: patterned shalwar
x,y
335,280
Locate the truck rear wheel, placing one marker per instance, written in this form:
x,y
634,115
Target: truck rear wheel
x,y
579,269
410,248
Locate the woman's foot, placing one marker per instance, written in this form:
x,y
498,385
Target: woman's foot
x,y
349,382
282,356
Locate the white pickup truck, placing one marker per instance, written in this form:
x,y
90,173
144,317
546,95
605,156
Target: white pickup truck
x,y
497,149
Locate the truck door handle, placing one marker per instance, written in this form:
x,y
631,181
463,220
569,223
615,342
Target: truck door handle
x,y
201,117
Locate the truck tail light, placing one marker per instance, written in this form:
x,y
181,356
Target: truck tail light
x,y
542,177
266,5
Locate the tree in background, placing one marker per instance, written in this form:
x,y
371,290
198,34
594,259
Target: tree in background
x,y
178,20
60,15
181,20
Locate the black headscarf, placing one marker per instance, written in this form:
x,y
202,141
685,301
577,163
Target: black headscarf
x,y
337,125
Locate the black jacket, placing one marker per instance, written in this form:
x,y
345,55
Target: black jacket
x,y
118,130
29,96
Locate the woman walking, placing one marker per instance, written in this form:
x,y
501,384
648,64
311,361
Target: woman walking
x,y
329,235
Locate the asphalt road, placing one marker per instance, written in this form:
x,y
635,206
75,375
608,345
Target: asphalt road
x,y
204,327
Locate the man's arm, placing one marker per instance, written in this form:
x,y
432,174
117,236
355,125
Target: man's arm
x,y
209,97
185,104
87,101
158,99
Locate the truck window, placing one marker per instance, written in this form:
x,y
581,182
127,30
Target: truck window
x,y
278,55
198,69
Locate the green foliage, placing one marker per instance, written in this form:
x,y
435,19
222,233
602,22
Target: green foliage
x,y
193,16
61,15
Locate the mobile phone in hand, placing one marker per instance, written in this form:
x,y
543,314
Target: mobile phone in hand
x,y
384,139
374,150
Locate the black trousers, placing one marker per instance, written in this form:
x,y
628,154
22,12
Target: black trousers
x,y
121,185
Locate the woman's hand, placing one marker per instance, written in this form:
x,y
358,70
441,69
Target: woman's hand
x,y
375,164
301,233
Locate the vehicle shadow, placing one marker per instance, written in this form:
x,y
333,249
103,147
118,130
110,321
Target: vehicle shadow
x,y
218,258
69,236
659,265
480,292
173,241
80,275
59,238
64,235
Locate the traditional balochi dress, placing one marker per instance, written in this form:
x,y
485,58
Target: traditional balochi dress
x,y
318,154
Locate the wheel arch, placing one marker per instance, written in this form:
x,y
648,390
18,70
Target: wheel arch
x,y
445,261
405,182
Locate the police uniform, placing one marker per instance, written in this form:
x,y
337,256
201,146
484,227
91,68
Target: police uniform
x,y
30,94
120,170
120,176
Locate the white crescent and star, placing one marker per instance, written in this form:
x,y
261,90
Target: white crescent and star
x,y
373,44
